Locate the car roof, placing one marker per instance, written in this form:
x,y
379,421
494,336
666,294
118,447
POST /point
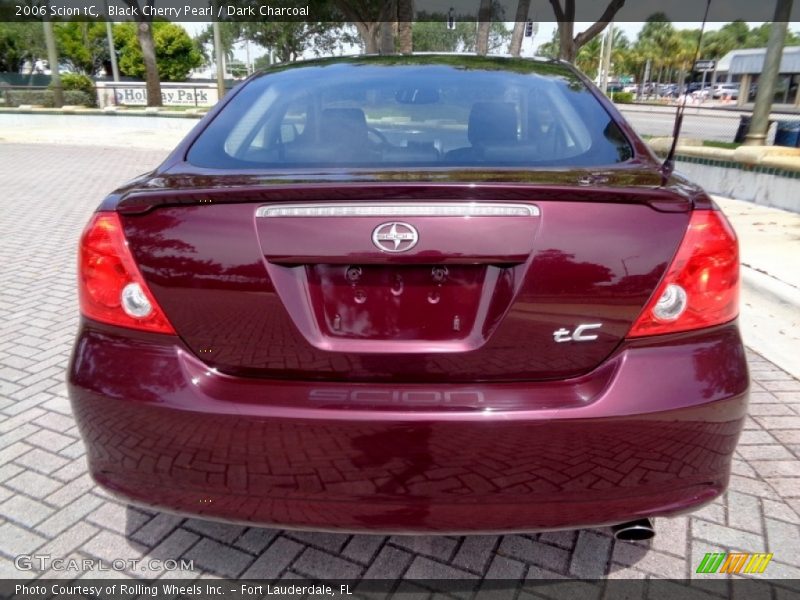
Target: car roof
x,y
538,65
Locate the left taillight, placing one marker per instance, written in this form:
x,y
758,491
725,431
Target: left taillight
x,y
110,287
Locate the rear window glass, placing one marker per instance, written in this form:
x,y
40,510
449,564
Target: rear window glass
x,y
386,116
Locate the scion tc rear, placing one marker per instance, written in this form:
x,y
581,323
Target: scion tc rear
x,y
411,294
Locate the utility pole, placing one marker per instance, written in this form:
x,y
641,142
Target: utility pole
x,y
645,78
522,28
219,59
606,68
111,52
248,65
599,79
759,123
52,58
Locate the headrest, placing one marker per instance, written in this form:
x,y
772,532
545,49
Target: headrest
x,y
343,124
492,122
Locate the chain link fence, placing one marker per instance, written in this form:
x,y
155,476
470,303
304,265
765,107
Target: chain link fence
x,y
712,125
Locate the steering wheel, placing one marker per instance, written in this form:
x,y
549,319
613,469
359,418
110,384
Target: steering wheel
x,y
383,141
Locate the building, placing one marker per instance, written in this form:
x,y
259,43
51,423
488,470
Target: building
x,y
745,66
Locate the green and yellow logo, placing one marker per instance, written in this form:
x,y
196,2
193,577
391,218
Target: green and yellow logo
x,y
721,562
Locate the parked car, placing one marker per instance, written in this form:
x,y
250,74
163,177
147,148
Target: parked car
x,y
699,91
648,88
729,90
411,294
669,90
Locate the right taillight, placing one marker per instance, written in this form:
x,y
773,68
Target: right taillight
x,y
110,287
701,287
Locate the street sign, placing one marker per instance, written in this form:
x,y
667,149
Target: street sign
x,y
704,66
626,79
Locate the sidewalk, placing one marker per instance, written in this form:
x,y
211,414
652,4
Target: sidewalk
x,y
710,108
125,131
769,241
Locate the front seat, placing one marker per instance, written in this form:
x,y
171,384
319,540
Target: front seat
x,y
490,124
343,126
343,137
345,131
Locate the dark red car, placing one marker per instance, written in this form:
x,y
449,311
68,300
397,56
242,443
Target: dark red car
x,y
411,294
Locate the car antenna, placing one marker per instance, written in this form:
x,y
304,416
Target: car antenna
x,y
669,162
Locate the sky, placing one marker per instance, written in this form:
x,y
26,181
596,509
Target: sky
x,y
529,45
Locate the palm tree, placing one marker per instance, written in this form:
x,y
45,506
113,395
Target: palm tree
x,y
658,43
405,15
144,33
484,23
523,7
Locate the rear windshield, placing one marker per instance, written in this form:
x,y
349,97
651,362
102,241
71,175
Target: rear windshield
x,y
397,115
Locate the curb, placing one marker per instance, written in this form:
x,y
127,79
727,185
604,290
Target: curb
x,y
191,113
769,285
768,322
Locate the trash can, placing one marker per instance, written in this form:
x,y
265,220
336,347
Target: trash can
x,y
744,125
787,133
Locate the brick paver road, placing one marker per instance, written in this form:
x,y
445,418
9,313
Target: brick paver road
x,y
48,504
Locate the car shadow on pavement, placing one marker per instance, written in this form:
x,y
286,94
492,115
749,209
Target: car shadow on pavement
x,y
239,551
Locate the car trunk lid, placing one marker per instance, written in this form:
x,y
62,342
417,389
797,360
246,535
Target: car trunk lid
x,y
440,285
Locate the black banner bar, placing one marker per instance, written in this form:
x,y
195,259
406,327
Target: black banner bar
x,y
332,10
706,587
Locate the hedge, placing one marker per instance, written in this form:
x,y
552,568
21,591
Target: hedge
x,y
81,83
45,98
622,97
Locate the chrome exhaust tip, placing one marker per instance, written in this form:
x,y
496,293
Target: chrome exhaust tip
x,y
634,531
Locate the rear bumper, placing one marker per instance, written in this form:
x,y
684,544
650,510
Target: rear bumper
x,y
650,433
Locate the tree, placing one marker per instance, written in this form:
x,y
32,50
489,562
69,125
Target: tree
x,y
658,42
484,23
432,35
367,16
569,43
623,56
290,39
236,68
684,53
759,36
405,16
144,34
388,29
717,44
674,50
83,44
550,49
523,8
175,52
262,62
498,38
231,33
20,42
